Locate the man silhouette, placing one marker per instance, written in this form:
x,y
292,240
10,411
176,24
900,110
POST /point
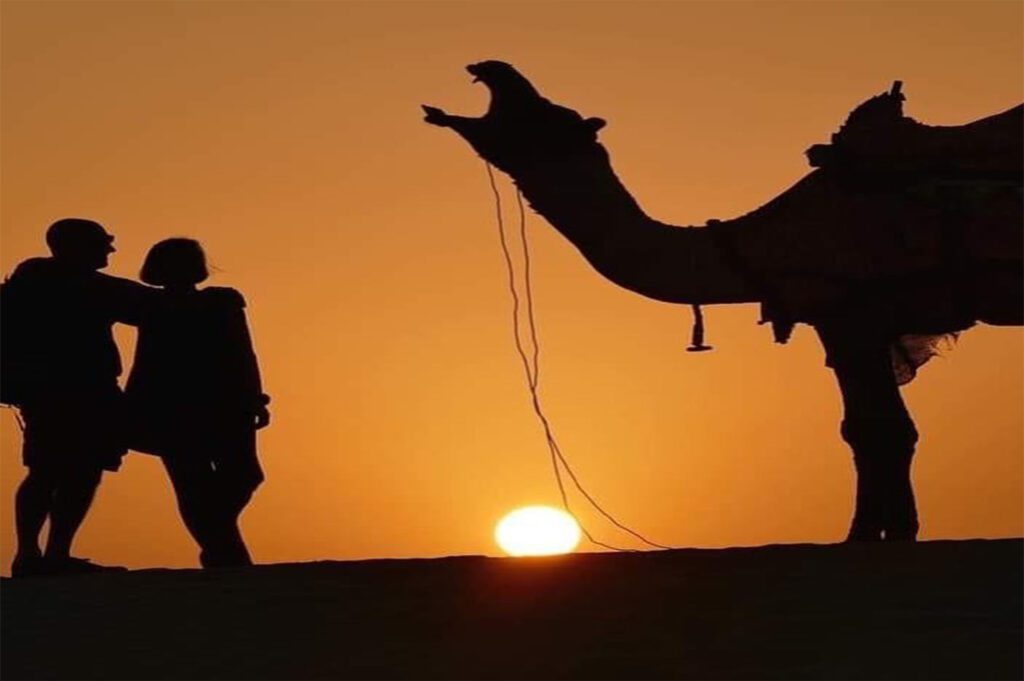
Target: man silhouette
x,y
60,368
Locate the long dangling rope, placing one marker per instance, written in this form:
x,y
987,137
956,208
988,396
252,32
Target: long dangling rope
x,y
532,370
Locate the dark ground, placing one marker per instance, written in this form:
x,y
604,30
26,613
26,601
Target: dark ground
x,y
935,610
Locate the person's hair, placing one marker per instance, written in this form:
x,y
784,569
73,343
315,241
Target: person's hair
x,y
175,261
70,234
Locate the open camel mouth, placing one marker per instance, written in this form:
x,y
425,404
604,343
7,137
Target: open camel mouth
x,y
519,122
480,71
504,82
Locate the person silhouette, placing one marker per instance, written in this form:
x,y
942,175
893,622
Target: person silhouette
x,y
196,400
59,368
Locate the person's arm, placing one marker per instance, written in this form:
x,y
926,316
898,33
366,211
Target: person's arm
x,y
251,372
241,348
128,301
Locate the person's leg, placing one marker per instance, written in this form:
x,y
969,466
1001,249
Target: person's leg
x,y
231,548
73,495
237,475
193,484
228,503
34,499
32,504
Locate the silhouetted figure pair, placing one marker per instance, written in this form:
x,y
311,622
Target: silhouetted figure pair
x,y
60,367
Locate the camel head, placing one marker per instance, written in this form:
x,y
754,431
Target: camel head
x,y
521,128
504,82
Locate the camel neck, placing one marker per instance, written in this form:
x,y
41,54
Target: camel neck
x,y
583,198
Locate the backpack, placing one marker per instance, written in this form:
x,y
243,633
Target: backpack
x,y
14,377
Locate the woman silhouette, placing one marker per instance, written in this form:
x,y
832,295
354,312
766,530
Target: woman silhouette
x,y
196,400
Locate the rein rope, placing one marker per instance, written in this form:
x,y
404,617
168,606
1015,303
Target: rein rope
x,y
531,366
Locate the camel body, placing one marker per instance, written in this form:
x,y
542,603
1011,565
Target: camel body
x,y
925,224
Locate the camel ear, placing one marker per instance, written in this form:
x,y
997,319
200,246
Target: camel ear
x,y
595,124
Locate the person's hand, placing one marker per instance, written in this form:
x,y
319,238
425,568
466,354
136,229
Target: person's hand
x,y
262,417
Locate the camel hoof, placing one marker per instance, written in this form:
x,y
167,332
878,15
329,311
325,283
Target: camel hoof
x,y
863,534
901,535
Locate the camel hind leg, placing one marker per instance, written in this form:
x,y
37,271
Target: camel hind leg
x,y
879,430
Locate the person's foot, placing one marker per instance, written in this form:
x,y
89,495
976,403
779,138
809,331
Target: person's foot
x,y
28,566
69,565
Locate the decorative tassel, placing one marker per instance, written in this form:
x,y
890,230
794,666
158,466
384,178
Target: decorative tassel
x,y
697,338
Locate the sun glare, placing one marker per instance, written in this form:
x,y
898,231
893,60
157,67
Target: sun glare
x,y
537,531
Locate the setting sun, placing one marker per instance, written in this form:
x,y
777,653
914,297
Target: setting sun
x,y
537,531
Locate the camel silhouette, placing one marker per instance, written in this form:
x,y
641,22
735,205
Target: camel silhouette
x,y
903,233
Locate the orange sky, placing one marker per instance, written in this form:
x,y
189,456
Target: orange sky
x,y
286,136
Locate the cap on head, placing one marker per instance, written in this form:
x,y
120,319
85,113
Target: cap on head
x,y
175,261
70,237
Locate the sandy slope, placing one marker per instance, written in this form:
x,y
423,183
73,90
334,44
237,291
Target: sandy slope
x,y
931,610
